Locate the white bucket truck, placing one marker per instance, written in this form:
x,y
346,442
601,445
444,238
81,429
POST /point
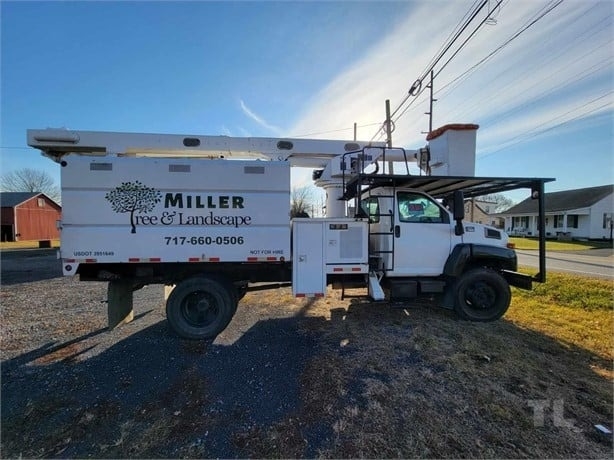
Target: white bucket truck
x,y
210,215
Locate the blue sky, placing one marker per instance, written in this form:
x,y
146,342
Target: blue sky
x,y
544,103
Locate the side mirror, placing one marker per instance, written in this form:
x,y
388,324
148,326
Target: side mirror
x,y
459,212
459,205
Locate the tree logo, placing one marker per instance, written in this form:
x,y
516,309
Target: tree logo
x,y
133,197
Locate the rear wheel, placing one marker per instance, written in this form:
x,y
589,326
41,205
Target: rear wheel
x,y
482,295
200,308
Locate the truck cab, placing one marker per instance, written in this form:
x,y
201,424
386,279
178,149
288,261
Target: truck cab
x,y
419,245
413,234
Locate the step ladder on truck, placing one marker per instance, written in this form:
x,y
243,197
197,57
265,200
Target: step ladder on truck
x,y
171,209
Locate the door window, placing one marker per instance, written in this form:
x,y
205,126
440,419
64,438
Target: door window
x,y
370,206
414,207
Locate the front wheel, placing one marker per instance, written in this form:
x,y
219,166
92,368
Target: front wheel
x,y
200,308
482,295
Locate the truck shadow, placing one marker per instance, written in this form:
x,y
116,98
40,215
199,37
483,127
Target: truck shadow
x,y
146,395
155,395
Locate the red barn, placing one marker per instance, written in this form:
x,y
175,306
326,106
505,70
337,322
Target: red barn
x,y
29,216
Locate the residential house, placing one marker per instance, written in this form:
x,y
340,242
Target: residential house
x,y
482,212
584,213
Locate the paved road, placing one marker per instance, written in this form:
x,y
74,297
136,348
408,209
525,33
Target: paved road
x,y
25,265
597,263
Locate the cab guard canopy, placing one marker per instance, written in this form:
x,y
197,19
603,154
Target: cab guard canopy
x,y
444,186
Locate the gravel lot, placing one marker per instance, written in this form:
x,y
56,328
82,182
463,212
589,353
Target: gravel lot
x,y
57,352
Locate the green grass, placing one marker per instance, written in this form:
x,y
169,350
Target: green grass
x,y
571,309
31,244
533,243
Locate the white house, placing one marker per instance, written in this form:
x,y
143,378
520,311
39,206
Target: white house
x,y
581,213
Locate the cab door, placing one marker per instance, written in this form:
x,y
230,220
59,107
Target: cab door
x,y
422,235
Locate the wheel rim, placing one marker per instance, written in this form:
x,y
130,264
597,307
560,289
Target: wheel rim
x,y
200,309
480,296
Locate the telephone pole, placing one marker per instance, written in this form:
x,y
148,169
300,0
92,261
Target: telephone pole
x,y
431,100
388,124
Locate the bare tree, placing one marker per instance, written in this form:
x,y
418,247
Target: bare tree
x,y
30,180
301,201
501,202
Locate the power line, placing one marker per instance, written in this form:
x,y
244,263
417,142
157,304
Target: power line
x,y
533,133
471,35
518,80
572,80
503,91
593,29
416,89
502,46
334,130
468,13
467,40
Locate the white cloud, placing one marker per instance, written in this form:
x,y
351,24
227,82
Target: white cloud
x,y
556,66
258,119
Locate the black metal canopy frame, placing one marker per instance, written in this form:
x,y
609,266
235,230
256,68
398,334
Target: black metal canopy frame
x,y
445,186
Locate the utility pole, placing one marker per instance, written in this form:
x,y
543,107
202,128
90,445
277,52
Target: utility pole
x,y
355,131
388,125
431,100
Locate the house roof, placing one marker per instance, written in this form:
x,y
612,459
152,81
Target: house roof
x,y
12,199
564,201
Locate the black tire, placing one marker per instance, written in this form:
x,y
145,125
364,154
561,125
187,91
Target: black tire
x,y
481,295
200,308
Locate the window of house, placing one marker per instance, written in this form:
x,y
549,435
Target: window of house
x,y
607,219
572,221
41,202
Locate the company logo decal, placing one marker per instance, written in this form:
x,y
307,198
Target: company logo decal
x,y
133,197
139,200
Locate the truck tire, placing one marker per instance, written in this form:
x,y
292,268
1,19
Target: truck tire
x,y
482,295
200,308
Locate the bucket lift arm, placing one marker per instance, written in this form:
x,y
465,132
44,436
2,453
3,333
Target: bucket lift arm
x,y
311,153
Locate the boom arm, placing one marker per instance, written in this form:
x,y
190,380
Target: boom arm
x,y
311,153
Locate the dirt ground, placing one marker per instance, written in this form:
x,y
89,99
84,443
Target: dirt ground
x,y
288,378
